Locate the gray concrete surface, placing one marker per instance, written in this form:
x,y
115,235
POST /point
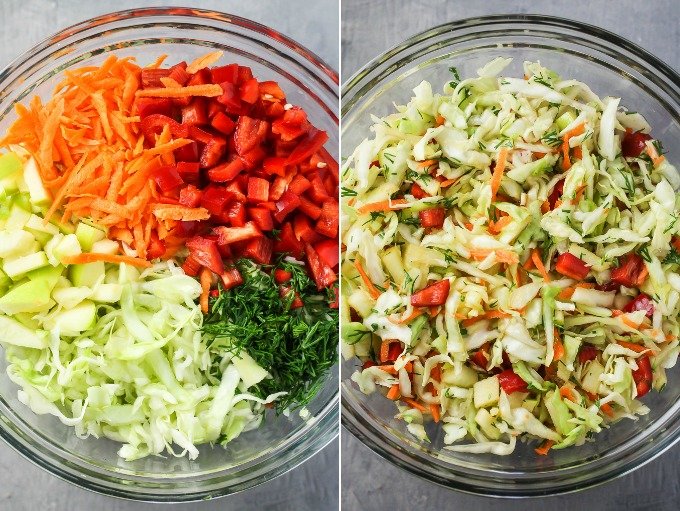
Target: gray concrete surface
x,y
370,27
312,486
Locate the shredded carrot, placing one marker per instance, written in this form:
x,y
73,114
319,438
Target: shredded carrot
x,y
628,322
567,393
574,132
536,258
579,194
434,311
558,349
643,275
439,120
91,257
385,205
502,256
414,404
435,411
544,448
448,182
414,314
173,212
426,163
388,368
637,348
607,409
498,171
393,393
500,224
204,61
491,314
653,154
545,207
372,290
385,349
207,90
205,278
170,82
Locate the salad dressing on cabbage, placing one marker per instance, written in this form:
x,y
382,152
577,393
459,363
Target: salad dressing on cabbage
x,y
510,262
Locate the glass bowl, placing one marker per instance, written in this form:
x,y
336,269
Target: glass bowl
x,y
611,66
281,443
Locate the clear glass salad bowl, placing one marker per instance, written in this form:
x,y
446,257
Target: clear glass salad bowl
x,y
280,443
611,66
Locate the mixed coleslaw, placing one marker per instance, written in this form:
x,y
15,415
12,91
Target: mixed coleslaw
x,y
510,260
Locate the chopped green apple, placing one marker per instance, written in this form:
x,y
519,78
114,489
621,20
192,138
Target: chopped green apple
x,y
250,371
69,297
15,243
37,224
38,193
88,234
105,246
10,164
18,217
21,265
50,246
87,275
14,333
67,247
48,274
73,321
107,293
31,296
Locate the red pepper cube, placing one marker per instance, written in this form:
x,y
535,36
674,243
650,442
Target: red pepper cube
x,y
299,184
226,171
178,72
151,78
309,208
201,77
156,247
150,106
188,171
329,252
167,178
228,235
249,133
187,153
236,213
303,229
274,165
235,189
244,74
231,278
317,192
215,199
212,152
282,276
285,205
259,250
432,217
154,124
327,225
228,73
323,275
288,243
273,110
229,97
191,266
297,302
433,295
249,91
223,123
190,196
258,189
571,266
272,89
629,273
205,251
262,218
510,382
195,113
314,141
253,157
279,186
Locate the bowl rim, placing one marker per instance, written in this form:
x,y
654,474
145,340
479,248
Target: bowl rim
x,y
259,469
352,92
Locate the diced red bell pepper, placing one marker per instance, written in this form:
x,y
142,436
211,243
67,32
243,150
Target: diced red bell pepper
x,y
273,110
153,125
253,157
633,144
643,376
297,301
262,218
314,141
228,235
641,302
190,196
187,153
274,165
234,188
156,247
418,192
285,205
279,186
556,194
179,74
195,113
258,189
309,208
191,266
273,89
226,171
433,295
230,97
481,357
329,252
200,77
167,178
249,133
282,276
432,217
629,271
249,91
205,251
511,382
215,199
318,191
571,266
223,123
231,278
188,171
213,146
236,213
299,184
323,275
288,243
151,78
303,229
327,225
228,73
587,353
292,125
150,106
259,250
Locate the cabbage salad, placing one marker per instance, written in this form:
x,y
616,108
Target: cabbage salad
x,y
511,261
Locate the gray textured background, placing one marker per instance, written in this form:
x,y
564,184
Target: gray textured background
x,y
370,27
312,486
